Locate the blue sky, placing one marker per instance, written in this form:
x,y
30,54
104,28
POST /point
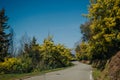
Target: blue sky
x,y
60,18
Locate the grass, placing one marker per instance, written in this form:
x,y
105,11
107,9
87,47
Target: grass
x,y
96,74
17,76
27,75
100,75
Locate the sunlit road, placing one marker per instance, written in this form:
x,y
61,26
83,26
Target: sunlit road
x,y
78,72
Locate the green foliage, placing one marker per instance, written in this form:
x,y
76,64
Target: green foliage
x,y
37,57
46,56
85,30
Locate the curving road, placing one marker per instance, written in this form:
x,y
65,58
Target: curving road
x,y
78,72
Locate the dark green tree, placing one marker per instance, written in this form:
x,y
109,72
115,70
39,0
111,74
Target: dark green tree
x,y
4,37
85,30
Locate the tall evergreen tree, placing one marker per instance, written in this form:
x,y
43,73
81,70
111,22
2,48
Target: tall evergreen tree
x,y
4,37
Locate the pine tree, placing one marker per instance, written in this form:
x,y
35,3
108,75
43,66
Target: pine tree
x,y
4,37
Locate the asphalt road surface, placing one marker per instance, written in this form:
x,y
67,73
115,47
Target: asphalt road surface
x,y
78,72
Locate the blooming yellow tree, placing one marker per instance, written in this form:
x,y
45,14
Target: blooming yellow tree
x,y
105,27
104,30
54,55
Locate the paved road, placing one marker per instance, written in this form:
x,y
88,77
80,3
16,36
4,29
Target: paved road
x,y
78,72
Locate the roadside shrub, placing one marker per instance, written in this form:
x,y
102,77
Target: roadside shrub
x,y
15,65
9,65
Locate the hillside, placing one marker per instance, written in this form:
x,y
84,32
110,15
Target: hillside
x,y
114,67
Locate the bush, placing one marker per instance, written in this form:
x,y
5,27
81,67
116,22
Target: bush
x,y
15,65
9,65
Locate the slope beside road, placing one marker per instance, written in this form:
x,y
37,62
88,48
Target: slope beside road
x,y
78,72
